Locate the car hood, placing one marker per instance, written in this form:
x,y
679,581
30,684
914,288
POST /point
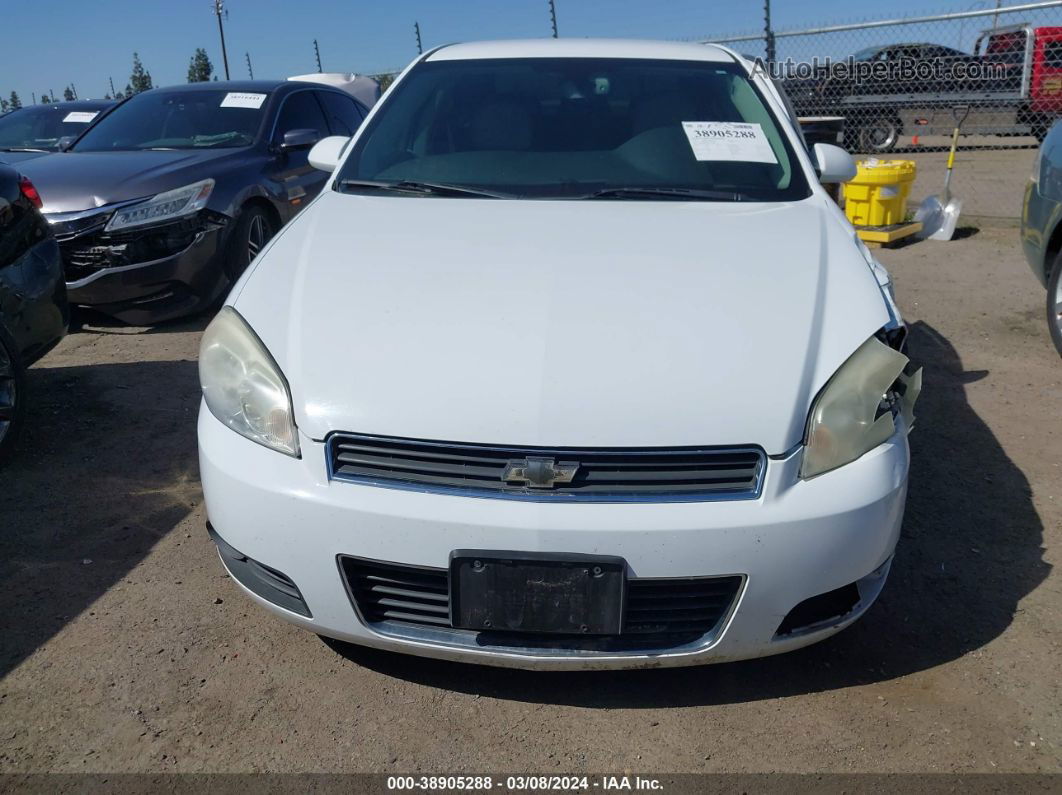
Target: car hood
x,y
17,158
73,181
561,323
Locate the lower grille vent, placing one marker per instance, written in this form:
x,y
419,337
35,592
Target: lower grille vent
x,y
664,612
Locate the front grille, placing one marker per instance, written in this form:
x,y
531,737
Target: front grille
x,y
685,473
659,613
90,251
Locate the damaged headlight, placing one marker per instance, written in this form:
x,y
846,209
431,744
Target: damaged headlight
x,y
164,207
857,409
243,386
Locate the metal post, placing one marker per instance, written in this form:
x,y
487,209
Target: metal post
x,y
317,55
416,29
995,17
111,79
768,33
73,88
32,94
219,6
553,16
250,71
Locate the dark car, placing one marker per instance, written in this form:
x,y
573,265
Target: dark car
x,y
33,309
1041,227
161,205
37,130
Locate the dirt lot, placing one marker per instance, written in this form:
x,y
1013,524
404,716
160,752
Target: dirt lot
x,y
124,647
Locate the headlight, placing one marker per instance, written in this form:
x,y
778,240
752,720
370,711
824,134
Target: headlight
x,y
854,412
243,386
164,207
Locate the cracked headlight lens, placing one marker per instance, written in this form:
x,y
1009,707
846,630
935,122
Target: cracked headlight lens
x,y
853,413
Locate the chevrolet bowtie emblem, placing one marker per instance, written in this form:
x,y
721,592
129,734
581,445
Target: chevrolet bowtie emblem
x,y
539,473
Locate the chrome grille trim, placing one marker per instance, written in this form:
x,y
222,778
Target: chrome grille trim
x,y
648,474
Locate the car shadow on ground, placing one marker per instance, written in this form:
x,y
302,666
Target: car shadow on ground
x,y
106,467
970,551
87,320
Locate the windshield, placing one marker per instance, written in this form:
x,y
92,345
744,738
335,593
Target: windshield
x,y
175,119
42,126
579,127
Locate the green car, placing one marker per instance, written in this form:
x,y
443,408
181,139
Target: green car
x,y
1041,227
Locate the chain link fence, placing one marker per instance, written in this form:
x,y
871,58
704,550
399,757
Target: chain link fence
x,y
900,86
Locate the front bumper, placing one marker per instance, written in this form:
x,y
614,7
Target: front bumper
x,y
797,540
158,290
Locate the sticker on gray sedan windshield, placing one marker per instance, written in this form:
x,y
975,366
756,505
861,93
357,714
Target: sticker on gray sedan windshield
x,y
80,117
728,140
238,100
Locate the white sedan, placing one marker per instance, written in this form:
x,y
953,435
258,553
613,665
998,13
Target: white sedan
x,y
574,365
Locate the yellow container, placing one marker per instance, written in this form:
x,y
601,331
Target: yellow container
x,y
878,194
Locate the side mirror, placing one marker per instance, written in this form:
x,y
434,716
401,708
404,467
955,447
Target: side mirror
x,y
298,139
66,142
833,164
327,152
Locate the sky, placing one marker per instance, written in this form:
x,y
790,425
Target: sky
x,y
86,43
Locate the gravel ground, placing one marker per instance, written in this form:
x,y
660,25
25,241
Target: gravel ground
x,y
125,648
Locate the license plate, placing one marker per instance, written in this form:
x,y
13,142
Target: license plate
x,y
530,592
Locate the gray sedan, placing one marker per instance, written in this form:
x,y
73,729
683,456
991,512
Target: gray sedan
x,y
163,202
1041,227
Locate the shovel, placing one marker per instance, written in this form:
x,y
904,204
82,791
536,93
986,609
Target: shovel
x,y
939,215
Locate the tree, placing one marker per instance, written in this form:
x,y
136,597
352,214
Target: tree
x,y
128,91
199,67
140,79
14,101
3,105
68,94
45,99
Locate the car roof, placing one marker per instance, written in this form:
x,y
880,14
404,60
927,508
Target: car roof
x,y
75,104
226,85
582,48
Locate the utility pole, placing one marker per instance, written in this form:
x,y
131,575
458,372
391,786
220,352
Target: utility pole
x,y
73,88
219,9
113,93
768,33
250,71
553,16
32,94
416,29
317,55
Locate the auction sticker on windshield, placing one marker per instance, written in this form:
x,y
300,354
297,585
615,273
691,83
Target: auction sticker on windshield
x,y
728,140
238,100
80,117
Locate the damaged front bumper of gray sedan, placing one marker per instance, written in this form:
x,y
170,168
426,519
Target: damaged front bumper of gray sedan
x,y
144,275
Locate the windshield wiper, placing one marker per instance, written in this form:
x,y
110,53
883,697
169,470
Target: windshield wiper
x,y
22,149
422,188
648,192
